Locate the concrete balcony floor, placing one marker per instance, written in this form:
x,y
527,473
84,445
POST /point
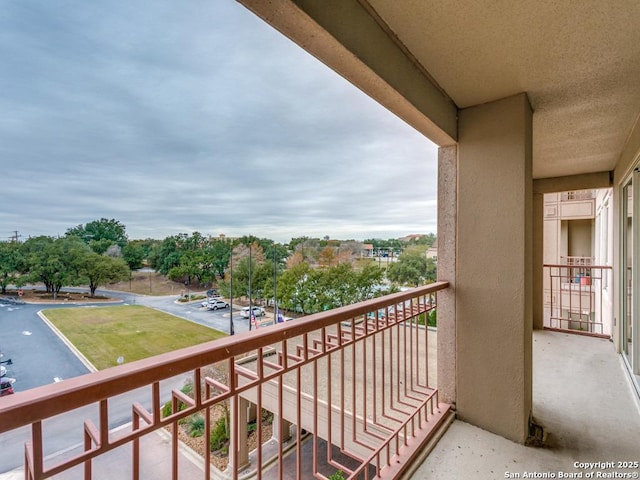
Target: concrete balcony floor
x,y
583,399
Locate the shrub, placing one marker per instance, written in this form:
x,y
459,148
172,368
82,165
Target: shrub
x,y
432,318
195,425
187,389
219,436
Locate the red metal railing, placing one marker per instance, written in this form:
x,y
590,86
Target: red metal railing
x,y
576,298
357,379
576,261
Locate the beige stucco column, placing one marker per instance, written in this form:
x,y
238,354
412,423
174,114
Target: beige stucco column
x,y
239,427
494,267
252,414
281,429
447,224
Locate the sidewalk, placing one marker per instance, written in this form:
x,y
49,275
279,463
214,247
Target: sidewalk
x,y
155,462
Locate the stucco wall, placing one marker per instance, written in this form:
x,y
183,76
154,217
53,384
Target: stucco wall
x,y
494,267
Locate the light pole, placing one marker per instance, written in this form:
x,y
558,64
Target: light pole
x,y
275,287
250,305
231,329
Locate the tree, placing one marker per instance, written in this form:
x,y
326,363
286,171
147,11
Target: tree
x,y
217,254
246,261
293,289
55,262
431,274
189,268
100,234
423,240
337,286
191,257
138,252
276,251
307,290
327,257
134,254
11,263
367,282
295,259
308,247
102,269
412,268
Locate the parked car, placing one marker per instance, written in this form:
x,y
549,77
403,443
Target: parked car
x,y
12,301
216,303
6,386
257,312
209,301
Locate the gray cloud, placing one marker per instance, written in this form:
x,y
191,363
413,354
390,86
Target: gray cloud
x,y
178,118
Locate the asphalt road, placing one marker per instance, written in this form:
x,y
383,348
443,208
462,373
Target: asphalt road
x,y
217,319
39,357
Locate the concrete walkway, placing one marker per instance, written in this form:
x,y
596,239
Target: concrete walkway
x,y
584,401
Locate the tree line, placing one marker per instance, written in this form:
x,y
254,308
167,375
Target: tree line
x,y
307,275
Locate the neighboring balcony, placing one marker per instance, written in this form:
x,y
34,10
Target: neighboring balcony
x,y
361,378
577,195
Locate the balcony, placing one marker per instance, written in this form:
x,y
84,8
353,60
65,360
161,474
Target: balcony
x,y
361,378
582,399
384,416
578,297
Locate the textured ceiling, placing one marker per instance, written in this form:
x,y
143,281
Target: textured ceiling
x,y
579,62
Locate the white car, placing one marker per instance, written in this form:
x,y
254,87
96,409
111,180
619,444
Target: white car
x,y
216,303
209,301
257,312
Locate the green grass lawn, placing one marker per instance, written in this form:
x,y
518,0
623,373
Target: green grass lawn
x,y
133,332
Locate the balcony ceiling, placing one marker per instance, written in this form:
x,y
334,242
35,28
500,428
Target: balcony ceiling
x,y
579,63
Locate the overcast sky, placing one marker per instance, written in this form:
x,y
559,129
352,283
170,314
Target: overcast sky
x,y
174,117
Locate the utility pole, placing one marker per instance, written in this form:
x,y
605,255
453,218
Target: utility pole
x,y
275,287
231,329
250,304
15,237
